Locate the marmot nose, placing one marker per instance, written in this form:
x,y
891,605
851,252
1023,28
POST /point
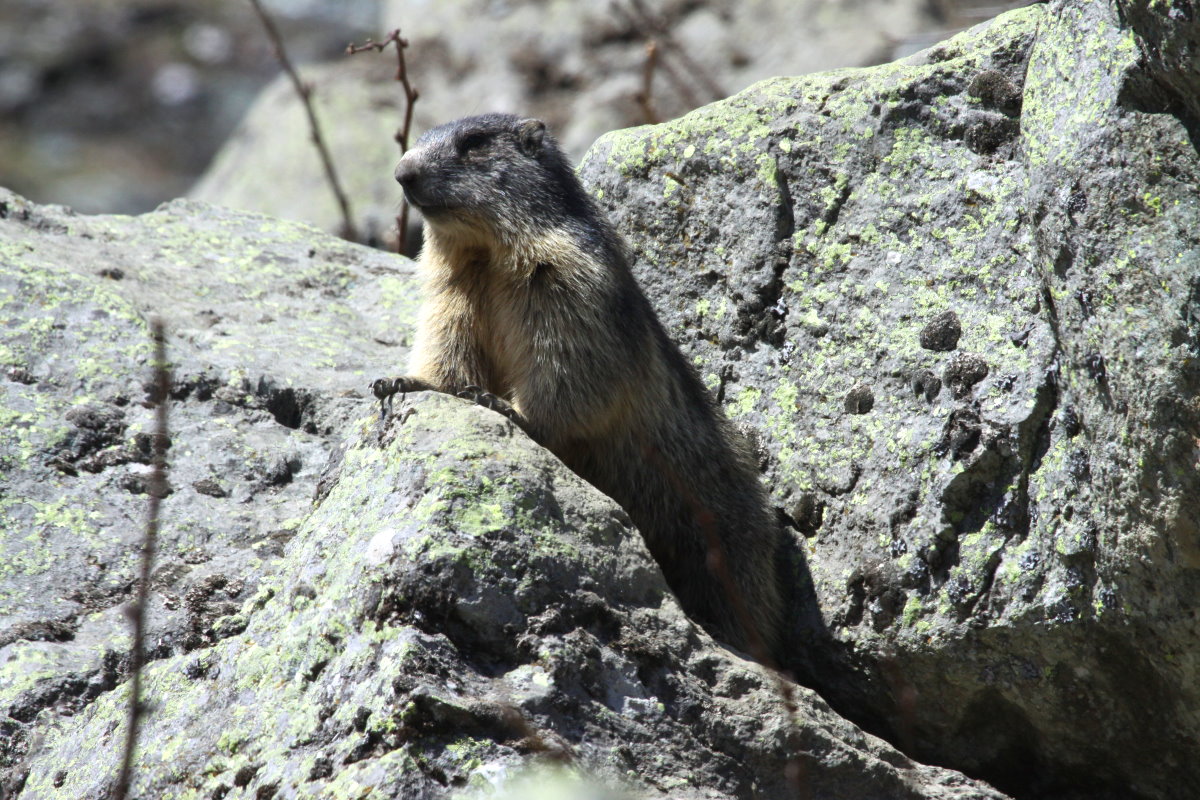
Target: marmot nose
x,y
406,172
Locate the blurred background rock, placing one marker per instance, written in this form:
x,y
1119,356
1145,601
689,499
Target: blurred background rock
x,y
118,105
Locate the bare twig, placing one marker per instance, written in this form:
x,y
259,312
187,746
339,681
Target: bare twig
x,y
693,67
645,97
410,98
304,91
638,17
156,490
681,87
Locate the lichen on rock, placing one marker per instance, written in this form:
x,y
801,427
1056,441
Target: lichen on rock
x,y
453,610
999,530
998,536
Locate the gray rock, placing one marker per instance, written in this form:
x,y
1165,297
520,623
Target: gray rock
x,y
455,611
458,606
1007,572
275,332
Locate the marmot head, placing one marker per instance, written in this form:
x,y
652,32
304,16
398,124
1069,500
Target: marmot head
x,y
493,174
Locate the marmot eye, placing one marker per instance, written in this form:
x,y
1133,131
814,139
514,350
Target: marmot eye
x,y
473,141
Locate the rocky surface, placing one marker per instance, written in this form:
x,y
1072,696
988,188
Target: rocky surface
x,y
339,608
959,296
579,66
260,313
459,605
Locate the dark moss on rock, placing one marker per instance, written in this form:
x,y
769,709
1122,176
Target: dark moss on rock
x,y
926,384
963,372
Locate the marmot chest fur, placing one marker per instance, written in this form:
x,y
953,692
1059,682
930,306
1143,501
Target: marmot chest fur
x,y
529,296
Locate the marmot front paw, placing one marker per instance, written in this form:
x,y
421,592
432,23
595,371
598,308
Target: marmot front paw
x,y
385,389
490,401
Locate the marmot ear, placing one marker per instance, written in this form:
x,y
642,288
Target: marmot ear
x,y
531,135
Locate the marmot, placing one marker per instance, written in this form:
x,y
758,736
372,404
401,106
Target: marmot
x,y
528,296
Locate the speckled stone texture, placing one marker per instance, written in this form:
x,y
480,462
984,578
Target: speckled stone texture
x,y
340,608
274,330
456,607
1004,545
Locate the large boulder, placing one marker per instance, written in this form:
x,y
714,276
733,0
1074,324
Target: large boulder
x,y
959,295
340,607
459,605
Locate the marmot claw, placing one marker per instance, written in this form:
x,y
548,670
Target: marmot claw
x,y
385,389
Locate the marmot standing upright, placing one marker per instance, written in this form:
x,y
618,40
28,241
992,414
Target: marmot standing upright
x,y
529,296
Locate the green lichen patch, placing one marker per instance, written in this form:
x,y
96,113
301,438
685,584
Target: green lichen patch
x,y
274,331
318,672
993,499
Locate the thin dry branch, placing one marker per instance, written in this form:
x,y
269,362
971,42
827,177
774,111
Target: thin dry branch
x,y
645,97
663,32
690,98
656,30
678,84
156,490
304,91
410,99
